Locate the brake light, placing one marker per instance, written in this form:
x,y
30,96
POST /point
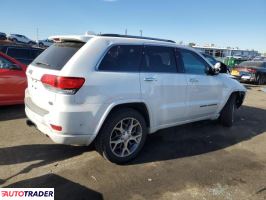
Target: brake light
x,y
66,85
56,39
252,70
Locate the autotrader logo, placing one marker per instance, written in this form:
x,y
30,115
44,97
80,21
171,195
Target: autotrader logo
x,y
27,193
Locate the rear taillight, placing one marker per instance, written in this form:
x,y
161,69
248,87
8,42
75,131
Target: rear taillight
x,y
65,85
253,71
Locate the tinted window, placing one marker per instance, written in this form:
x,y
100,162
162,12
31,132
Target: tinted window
x,y
4,63
57,55
34,53
122,58
159,59
210,59
193,64
3,49
18,53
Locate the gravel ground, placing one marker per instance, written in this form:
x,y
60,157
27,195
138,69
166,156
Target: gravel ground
x,y
202,160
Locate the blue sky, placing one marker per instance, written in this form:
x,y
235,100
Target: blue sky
x,y
235,23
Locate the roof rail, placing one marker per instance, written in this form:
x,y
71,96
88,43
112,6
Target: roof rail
x,y
136,37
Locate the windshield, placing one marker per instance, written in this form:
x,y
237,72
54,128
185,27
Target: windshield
x,y
57,55
251,64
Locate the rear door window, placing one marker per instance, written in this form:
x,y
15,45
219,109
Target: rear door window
x,y
159,59
57,55
122,58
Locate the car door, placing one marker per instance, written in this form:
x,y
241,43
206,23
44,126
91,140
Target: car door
x,y
204,91
12,82
163,86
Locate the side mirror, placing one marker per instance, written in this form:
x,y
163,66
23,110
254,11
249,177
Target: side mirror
x,y
216,68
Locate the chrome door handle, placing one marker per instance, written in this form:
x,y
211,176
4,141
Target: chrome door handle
x,y
150,79
193,80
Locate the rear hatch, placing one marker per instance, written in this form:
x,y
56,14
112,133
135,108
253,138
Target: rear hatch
x,y
49,63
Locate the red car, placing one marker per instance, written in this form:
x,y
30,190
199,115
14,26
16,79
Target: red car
x,y
13,80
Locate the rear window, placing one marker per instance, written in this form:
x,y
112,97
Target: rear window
x,y
251,64
18,53
57,55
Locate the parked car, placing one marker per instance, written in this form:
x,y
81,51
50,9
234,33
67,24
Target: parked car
x,y
16,38
3,36
251,71
223,68
24,54
44,43
115,89
13,80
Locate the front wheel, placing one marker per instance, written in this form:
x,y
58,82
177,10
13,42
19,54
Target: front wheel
x,y
228,112
122,136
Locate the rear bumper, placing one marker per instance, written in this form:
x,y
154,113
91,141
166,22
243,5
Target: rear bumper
x,y
246,77
56,136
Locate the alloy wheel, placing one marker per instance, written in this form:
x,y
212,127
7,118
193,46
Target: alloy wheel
x,y
125,137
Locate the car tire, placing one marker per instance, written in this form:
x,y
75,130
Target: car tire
x,y
41,45
116,142
227,113
259,79
31,43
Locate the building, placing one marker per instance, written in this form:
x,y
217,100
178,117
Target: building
x,y
224,52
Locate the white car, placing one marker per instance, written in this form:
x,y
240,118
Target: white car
x,y
21,39
44,43
115,90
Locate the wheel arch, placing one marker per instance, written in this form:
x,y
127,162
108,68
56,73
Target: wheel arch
x,y
240,96
141,107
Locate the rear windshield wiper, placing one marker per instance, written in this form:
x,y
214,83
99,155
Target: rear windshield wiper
x,y
42,63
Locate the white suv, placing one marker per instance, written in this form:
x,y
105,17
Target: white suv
x,y
115,89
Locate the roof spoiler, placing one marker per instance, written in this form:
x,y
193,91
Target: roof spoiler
x,y
71,38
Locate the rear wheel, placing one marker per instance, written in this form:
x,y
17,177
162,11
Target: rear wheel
x,y
228,112
41,45
259,79
122,136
